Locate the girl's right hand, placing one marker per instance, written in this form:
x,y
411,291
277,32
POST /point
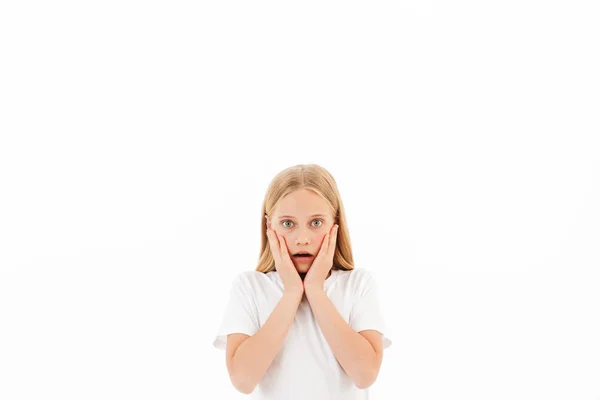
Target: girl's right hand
x,y
284,265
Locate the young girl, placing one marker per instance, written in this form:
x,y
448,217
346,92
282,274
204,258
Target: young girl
x,y
303,326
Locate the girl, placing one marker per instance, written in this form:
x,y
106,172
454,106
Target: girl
x,y
305,324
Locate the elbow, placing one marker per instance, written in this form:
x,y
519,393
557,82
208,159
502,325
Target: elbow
x,y
366,379
244,389
242,385
363,384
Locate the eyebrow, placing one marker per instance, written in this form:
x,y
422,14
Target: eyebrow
x,y
314,215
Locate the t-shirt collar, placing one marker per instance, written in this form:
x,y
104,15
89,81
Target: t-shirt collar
x,y
328,282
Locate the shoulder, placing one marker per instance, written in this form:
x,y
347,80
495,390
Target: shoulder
x,y
359,279
248,275
250,280
357,274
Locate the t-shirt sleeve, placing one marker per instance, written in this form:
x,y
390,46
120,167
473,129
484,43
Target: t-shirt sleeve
x,y
241,314
366,311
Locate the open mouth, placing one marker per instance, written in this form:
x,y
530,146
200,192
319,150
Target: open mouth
x,y
303,256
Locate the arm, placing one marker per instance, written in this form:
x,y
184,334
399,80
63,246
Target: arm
x,y
250,361
357,356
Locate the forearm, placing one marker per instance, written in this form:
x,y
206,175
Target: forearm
x,y
254,356
354,353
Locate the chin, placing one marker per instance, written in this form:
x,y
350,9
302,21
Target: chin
x,y
302,268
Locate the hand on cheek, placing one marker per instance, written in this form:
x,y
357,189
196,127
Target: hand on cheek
x,y
319,270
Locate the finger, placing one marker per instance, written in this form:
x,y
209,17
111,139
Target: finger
x,y
283,248
324,247
333,240
273,242
285,254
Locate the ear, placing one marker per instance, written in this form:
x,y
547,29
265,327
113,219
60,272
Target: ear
x,y
268,222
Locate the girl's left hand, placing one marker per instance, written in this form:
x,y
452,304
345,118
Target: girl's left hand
x,y
316,275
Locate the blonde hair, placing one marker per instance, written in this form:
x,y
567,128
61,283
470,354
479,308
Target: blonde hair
x,y
319,180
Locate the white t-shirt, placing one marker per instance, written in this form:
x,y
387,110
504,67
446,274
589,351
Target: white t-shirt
x,y
305,367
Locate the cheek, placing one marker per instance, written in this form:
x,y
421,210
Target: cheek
x,y
283,234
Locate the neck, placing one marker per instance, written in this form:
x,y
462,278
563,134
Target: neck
x,y
303,275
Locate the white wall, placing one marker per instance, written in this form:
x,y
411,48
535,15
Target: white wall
x,y
138,139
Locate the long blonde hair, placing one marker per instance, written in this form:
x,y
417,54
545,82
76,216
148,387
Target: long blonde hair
x,y
319,180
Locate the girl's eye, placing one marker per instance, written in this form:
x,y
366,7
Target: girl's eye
x,y
287,220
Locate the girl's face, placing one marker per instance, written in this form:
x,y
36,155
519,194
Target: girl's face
x,y
303,218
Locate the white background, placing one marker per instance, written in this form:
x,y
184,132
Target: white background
x,y
138,140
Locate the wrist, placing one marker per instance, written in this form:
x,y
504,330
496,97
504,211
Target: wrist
x,y
313,289
295,293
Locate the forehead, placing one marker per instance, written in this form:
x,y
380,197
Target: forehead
x,y
301,203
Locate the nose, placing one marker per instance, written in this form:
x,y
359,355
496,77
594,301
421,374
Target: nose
x,y
302,238
302,241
